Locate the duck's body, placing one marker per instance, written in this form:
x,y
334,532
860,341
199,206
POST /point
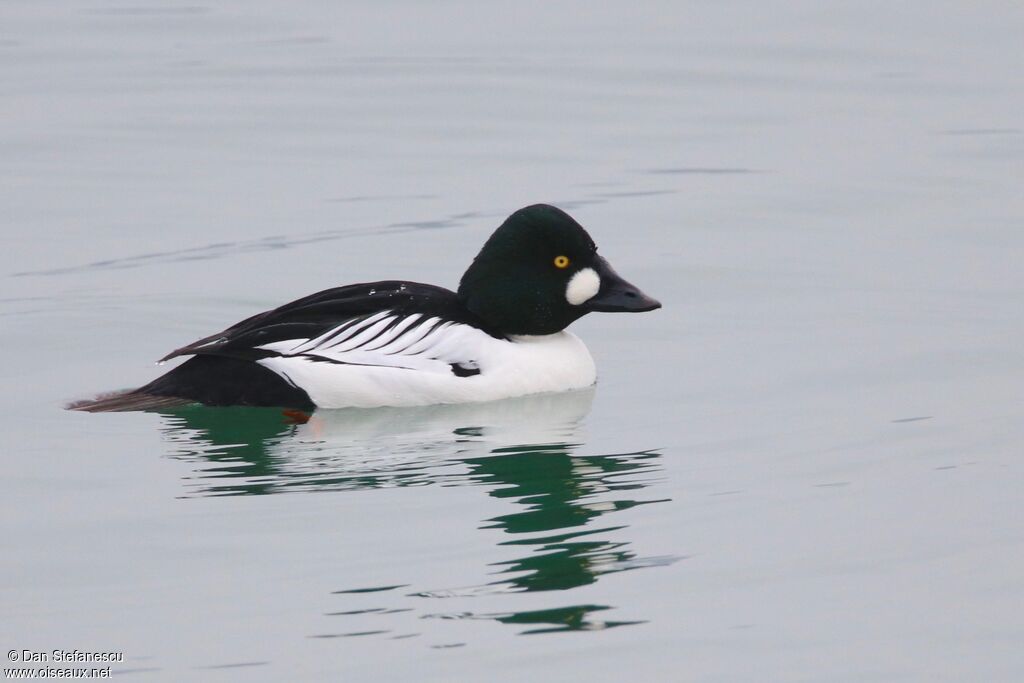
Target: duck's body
x,y
370,345
398,343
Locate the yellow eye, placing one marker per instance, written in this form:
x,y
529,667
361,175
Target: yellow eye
x,y
561,262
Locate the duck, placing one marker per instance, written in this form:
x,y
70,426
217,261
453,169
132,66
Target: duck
x,y
394,343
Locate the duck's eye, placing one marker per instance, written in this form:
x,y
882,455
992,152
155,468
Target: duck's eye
x,y
561,262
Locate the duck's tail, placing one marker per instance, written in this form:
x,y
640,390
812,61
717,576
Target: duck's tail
x,y
210,380
131,399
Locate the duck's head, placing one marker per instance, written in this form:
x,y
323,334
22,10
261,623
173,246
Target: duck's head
x,y
539,272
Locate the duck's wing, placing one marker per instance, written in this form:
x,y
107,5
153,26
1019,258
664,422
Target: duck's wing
x,y
390,323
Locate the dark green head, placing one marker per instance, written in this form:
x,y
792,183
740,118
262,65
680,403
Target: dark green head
x,y
539,272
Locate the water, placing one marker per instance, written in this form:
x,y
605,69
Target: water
x,y
806,467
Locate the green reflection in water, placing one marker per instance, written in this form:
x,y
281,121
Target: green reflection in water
x,y
561,491
235,444
522,451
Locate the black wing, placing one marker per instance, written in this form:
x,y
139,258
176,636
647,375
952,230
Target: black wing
x,y
313,315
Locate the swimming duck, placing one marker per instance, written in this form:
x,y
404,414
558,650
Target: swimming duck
x,y
395,343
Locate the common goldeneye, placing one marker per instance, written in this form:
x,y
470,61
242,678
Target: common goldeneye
x,y
397,343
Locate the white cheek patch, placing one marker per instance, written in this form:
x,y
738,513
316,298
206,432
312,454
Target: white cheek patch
x,y
582,286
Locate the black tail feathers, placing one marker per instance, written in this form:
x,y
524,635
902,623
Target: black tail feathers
x,y
210,380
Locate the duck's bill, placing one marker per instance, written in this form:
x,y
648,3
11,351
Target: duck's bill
x,y
617,295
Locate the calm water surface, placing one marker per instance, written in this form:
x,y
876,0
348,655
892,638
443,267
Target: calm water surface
x,y
806,467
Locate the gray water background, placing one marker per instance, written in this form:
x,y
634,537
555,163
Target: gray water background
x,y
806,467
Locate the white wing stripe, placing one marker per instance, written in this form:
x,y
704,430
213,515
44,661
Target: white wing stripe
x,y
366,334
341,333
342,330
428,326
396,333
326,336
429,340
358,329
413,342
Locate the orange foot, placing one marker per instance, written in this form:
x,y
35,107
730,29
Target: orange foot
x,y
295,417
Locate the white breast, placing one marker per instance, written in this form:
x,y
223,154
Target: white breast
x,y
410,363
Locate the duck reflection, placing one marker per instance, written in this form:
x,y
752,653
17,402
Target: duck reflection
x,y
246,451
561,493
522,450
